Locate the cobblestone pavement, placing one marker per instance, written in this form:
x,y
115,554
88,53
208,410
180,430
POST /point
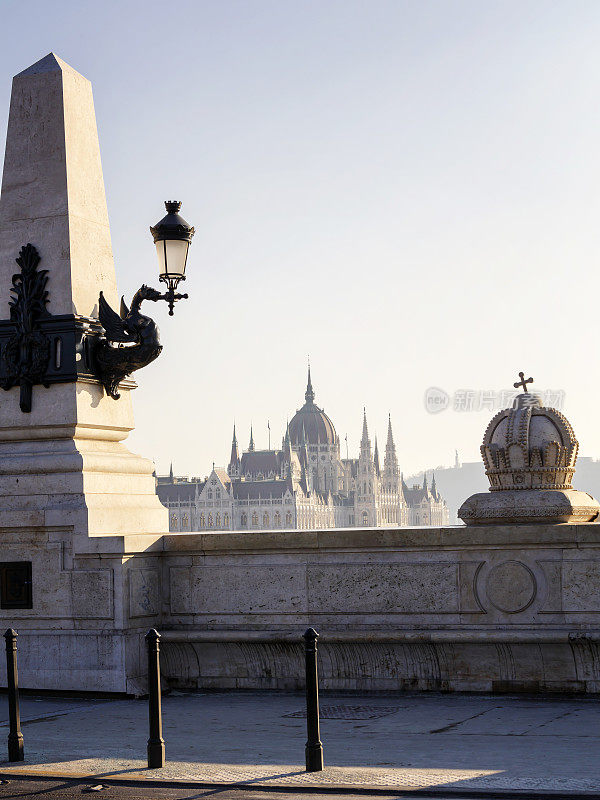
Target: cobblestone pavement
x,y
61,789
428,741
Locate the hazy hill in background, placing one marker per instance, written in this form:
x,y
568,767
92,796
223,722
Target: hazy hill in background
x,y
457,483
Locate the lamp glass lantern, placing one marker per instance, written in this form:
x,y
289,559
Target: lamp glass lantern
x,y
172,237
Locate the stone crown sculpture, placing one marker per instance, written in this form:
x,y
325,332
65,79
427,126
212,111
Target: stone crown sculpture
x,y
529,452
529,446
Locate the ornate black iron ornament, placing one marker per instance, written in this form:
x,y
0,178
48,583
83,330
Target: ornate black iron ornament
x,y
38,347
26,354
132,340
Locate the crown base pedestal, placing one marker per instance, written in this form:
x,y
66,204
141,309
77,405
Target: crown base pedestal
x,y
548,506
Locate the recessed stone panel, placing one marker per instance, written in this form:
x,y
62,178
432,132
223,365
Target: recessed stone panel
x,y
375,587
248,589
92,594
581,585
143,593
180,590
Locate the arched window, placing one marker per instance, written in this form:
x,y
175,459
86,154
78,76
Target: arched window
x,y
265,520
210,520
173,522
277,520
365,488
226,520
365,518
288,519
255,520
218,494
210,494
244,520
202,521
218,520
185,521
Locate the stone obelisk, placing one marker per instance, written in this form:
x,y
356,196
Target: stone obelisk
x,y
75,504
53,196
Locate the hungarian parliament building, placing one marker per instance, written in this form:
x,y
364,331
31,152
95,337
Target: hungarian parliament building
x,y
304,485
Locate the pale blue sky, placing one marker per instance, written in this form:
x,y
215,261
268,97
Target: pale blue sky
x,y
408,191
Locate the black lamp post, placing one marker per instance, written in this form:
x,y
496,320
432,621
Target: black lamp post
x,y
172,237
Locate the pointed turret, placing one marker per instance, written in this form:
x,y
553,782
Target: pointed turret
x,y
309,394
306,476
434,488
303,447
234,460
366,467
376,460
391,460
365,442
251,445
425,481
287,452
171,472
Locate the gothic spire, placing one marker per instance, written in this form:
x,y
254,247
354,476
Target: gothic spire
x,y
171,473
365,442
309,395
287,447
365,433
433,487
235,455
391,460
303,454
425,481
251,445
376,459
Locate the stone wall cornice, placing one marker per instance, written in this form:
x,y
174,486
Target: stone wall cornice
x,y
401,539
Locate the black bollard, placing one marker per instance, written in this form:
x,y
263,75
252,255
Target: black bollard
x,y
15,737
156,744
314,748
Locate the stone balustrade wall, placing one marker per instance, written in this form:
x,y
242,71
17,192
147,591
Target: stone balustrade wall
x,y
507,608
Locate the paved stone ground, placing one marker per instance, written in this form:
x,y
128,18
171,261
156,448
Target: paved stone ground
x,y
429,741
61,789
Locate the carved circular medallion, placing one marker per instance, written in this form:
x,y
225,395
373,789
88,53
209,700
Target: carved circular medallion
x,y
511,587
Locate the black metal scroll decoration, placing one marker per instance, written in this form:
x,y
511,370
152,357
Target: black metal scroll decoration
x,y
27,352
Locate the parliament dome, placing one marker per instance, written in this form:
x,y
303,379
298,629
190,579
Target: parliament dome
x,y
317,427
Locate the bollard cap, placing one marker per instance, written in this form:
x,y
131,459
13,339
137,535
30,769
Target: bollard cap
x,y
10,634
152,636
310,634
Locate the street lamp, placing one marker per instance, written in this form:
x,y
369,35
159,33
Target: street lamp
x,y
131,339
172,237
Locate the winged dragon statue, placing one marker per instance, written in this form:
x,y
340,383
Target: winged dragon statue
x,y
132,340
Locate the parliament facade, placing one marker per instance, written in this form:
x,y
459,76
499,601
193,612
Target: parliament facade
x,y
306,484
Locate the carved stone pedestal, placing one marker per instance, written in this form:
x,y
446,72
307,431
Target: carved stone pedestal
x,y
75,504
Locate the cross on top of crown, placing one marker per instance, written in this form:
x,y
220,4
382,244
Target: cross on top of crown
x,y
523,382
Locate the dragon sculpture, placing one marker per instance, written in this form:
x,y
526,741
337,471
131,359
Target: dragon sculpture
x,y
132,340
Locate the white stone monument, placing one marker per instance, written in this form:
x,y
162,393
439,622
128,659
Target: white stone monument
x,y
74,502
529,452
